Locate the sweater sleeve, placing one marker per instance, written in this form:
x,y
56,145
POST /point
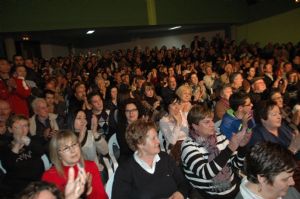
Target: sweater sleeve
x,y
183,185
199,165
171,133
122,183
98,191
22,91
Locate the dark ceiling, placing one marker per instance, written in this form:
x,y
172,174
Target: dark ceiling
x,y
103,36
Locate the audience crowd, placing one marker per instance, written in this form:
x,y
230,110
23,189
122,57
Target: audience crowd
x,y
210,104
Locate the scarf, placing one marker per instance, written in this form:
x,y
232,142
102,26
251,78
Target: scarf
x,y
221,182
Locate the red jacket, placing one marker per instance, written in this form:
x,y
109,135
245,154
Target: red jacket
x,y
4,92
98,191
18,98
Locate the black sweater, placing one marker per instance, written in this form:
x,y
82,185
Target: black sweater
x,y
133,182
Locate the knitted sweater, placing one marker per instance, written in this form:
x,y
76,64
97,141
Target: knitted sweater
x,y
201,172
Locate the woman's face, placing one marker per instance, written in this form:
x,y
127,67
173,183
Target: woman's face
x,y
131,113
205,127
69,152
114,93
273,119
20,128
149,92
252,72
280,184
174,108
277,98
151,145
80,121
186,95
238,81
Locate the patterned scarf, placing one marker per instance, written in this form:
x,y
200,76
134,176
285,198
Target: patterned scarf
x,y
221,182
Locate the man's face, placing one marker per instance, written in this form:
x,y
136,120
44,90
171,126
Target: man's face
x,y
269,68
19,61
42,109
29,63
259,86
4,66
97,103
5,110
172,83
80,92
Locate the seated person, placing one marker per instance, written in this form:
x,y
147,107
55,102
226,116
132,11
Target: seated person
x,y
174,127
222,104
269,171
100,112
149,173
65,153
92,143
42,123
209,160
21,159
239,116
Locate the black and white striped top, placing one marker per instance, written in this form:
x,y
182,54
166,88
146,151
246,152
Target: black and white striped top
x,y
200,172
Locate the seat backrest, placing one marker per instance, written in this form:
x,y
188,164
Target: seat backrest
x,y
163,142
112,147
109,185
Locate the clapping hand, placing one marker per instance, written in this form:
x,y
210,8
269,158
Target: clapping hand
x,y
75,187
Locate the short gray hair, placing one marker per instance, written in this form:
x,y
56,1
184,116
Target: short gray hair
x,y
36,101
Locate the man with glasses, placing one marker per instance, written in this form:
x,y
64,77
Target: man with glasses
x,y
239,116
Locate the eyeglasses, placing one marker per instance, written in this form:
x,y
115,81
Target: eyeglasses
x,y
67,149
130,111
250,104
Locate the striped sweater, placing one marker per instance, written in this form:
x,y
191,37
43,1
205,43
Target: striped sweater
x,y
201,173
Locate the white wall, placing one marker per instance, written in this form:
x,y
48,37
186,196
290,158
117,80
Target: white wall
x,y
168,41
50,50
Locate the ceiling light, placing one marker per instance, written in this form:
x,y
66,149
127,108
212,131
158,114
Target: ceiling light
x,y
90,32
175,27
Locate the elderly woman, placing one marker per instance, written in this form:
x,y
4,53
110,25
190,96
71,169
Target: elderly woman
x,y
149,173
21,158
269,170
65,152
271,128
210,160
184,92
286,112
174,127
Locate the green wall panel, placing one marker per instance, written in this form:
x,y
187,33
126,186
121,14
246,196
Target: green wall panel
x,y
200,11
280,28
26,15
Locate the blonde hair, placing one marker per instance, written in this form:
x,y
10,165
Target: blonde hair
x,y
182,88
56,142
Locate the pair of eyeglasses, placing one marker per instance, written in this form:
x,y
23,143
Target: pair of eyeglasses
x,y
67,149
250,104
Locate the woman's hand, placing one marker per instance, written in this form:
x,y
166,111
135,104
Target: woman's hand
x,y
176,195
156,104
295,142
75,187
178,118
94,124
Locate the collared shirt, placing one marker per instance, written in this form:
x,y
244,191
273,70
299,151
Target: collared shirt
x,y
144,165
247,193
